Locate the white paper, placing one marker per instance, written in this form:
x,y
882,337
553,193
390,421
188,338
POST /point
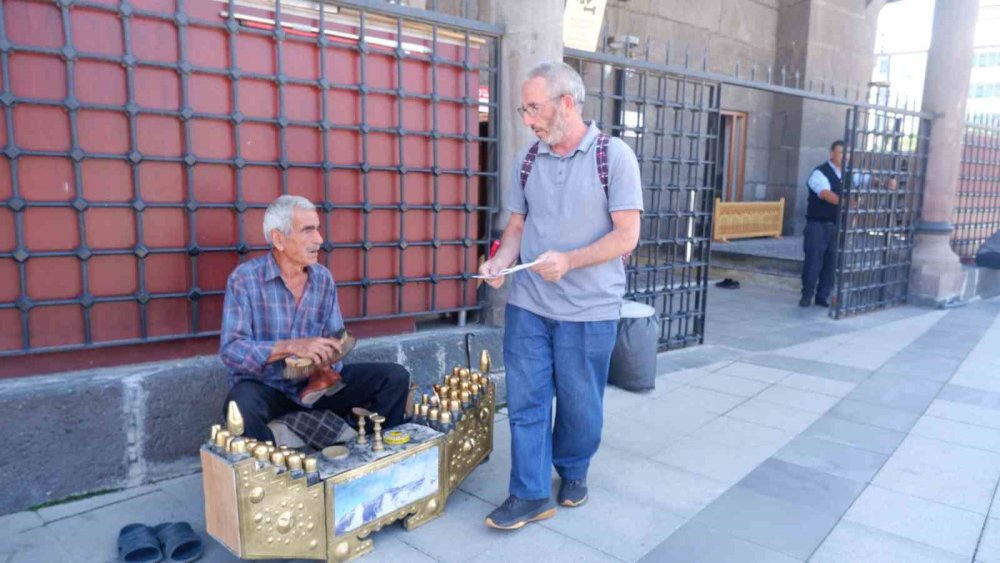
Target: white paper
x,y
507,271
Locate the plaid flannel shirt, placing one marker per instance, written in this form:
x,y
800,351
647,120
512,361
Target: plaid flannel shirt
x,y
259,311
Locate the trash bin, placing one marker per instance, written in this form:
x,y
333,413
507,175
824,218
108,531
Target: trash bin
x,y
633,361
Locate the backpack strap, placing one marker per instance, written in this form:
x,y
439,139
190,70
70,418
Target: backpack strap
x,y
528,163
602,160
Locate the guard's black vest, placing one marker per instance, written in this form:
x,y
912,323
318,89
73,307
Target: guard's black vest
x,y
818,209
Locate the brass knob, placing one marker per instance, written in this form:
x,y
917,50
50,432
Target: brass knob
x,y
237,446
260,453
220,438
294,462
311,465
464,373
214,432
278,459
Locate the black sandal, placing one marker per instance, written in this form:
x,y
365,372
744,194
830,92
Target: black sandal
x,y
180,542
137,543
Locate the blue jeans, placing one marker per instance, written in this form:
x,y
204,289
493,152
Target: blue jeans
x,y
568,360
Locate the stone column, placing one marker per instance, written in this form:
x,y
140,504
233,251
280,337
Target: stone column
x,y
937,276
533,35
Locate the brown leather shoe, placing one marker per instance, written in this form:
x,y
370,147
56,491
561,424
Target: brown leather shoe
x,y
320,383
347,343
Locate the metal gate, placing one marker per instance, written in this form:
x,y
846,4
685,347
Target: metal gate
x,y
154,136
885,162
671,122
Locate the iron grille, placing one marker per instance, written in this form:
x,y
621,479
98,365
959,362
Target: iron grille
x,y
875,230
172,130
671,122
977,208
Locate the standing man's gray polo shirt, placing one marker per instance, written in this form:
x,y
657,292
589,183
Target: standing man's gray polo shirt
x,y
565,208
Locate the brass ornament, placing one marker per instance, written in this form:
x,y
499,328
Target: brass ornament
x,y
220,438
485,365
215,430
234,420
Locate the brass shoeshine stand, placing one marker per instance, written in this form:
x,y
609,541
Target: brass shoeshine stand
x,y
263,501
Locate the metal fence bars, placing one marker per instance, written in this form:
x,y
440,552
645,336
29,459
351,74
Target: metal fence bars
x,y
885,160
671,122
140,148
977,208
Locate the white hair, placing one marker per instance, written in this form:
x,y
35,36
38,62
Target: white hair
x,y
561,80
279,214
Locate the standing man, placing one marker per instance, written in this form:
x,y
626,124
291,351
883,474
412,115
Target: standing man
x,y
575,201
820,237
819,240
285,304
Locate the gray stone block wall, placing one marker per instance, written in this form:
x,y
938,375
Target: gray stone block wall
x,y
80,432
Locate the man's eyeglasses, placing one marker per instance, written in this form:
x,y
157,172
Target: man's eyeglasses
x,y
531,110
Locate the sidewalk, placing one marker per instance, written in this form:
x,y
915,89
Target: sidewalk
x,y
787,437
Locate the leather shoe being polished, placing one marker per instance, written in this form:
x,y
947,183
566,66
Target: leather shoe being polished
x,y
514,513
325,380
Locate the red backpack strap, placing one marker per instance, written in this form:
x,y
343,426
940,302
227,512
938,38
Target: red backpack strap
x,y
527,164
602,160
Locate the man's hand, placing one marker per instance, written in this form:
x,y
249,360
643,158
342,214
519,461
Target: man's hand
x,y
552,265
490,268
319,350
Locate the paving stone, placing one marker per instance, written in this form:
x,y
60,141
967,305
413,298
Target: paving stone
x,y
731,384
970,396
944,482
790,528
962,412
615,525
854,542
860,357
705,399
669,417
619,400
920,520
734,432
986,382
802,400
989,543
864,436
835,459
774,415
20,522
755,372
803,485
34,546
439,539
817,384
722,462
93,535
697,542
958,432
934,367
875,415
980,463
896,392
654,484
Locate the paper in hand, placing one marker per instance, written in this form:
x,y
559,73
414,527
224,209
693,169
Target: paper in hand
x,y
506,271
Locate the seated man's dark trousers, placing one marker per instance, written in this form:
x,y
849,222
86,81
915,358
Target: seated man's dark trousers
x,y
379,387
820,246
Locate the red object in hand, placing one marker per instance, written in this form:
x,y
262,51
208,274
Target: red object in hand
x,y
494,247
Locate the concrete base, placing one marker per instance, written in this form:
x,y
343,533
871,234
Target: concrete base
x,y
936,276
73,433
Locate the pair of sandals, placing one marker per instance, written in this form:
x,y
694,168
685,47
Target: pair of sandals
x,y
173,542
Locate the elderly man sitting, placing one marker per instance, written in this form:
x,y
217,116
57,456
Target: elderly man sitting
x,y
285,305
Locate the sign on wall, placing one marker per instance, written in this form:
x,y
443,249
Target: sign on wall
x,y
582,24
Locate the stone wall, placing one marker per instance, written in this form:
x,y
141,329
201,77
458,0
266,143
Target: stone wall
x,y
74,433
